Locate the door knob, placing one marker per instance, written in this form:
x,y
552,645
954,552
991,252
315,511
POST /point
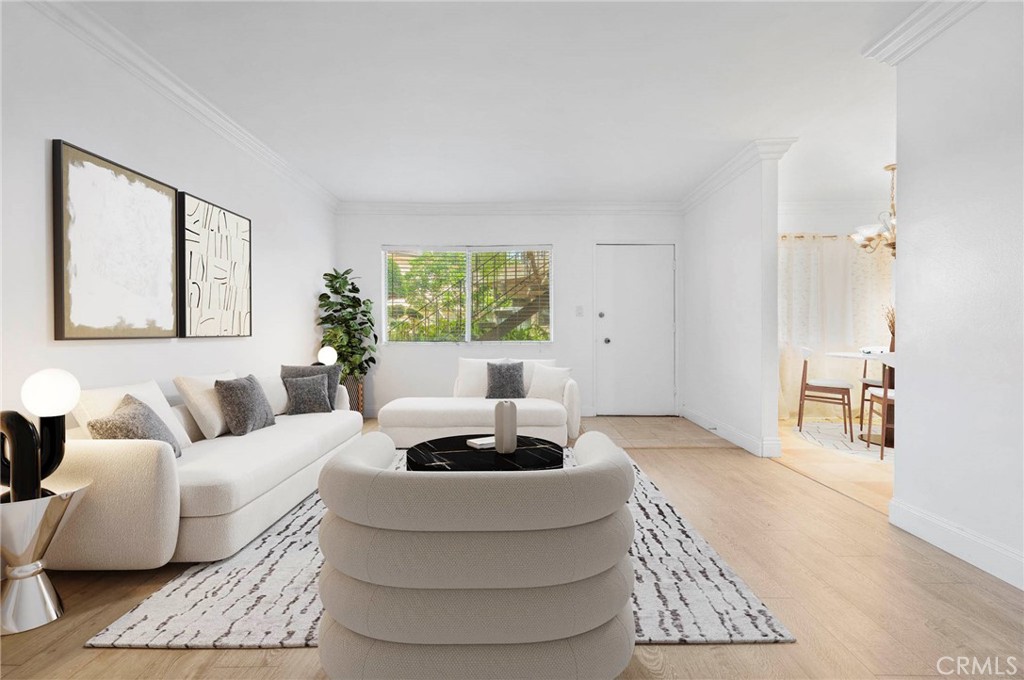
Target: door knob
x,y
600,315
607,341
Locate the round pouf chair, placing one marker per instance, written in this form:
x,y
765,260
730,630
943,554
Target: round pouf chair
x,y
476,575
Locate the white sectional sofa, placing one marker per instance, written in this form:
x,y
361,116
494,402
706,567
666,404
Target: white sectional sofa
x,y
144,507
411,420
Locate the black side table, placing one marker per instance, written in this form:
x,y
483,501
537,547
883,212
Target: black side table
x,y
452,454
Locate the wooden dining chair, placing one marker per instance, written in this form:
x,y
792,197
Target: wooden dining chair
x,y
883,397
865,384
825,391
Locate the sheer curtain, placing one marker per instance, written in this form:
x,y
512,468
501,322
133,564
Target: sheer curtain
x,y
832,297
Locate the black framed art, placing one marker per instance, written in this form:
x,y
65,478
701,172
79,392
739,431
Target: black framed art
x,y
114,250
215,253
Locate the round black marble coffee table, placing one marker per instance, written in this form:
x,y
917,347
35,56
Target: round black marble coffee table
x,y
452,454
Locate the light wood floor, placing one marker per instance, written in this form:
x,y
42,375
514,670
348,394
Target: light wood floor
x,y
862,598
867,480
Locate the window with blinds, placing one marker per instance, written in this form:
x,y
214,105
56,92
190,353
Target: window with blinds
x,y
479,294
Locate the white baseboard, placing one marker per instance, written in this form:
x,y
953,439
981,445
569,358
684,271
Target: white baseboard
x,y
769,447
998,559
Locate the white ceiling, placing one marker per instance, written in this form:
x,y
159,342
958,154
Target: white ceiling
x,y
496,102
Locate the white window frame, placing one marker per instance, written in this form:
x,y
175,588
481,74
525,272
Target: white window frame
x,y
467,339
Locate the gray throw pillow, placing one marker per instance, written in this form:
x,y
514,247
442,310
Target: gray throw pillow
x,y
505,380
244,404
307,395
333,374
133,419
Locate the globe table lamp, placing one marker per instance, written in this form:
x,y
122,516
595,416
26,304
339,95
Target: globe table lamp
x,y
32,455
327,356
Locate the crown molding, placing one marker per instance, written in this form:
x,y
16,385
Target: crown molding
x,y
914,32
521,208
757,151
772,149
94,31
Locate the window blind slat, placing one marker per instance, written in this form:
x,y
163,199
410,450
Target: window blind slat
x,y
427,291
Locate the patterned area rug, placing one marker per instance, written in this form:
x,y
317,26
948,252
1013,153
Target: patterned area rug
x,y
265,596
831,436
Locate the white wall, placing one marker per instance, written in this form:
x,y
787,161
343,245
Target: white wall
x,y
841,218
409,369
55,86
729,336
959,473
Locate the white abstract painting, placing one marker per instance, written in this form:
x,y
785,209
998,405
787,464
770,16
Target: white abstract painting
x,y
217,272
118,252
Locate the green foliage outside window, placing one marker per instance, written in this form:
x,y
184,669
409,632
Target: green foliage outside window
x,y
510,294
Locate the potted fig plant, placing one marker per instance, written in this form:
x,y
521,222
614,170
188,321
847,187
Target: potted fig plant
x,y
347,323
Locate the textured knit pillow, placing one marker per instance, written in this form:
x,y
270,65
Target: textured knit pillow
x,y
244,404
101,402
333,374
307,395
133,419
505,380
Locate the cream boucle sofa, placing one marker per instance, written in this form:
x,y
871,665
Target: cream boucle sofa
x,y
411,420
476,574
144,508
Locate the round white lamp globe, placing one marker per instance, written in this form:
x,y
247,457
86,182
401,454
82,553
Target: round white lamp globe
x,y
50,392
327,356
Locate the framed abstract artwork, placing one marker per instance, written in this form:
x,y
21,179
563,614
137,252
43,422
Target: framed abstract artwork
x,y
215,252
114,246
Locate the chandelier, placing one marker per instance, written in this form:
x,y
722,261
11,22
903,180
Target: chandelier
x,y
871,236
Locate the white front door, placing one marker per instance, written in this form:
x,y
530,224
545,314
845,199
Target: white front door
x,y
635,293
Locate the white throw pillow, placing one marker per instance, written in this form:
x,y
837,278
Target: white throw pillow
x,y
200,397
472,380
277,395
548,383
528,365
102,401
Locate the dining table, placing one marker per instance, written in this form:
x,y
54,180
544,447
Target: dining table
x,y
886,359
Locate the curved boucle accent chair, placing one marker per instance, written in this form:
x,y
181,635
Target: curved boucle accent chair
x,y
476,574
362,488
483,615
600,653
467,559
